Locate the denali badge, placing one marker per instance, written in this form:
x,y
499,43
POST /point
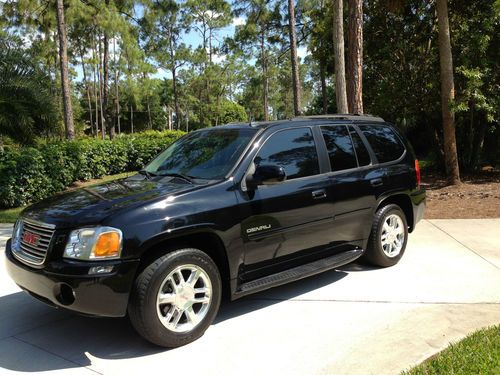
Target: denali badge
x,y
259,228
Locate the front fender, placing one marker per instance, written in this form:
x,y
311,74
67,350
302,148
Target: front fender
x,y
173,233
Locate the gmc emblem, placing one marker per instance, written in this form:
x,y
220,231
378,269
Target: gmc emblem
x,y
31,238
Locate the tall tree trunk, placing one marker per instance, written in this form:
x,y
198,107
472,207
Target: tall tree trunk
x,y
150,124
95,78
355,57
447,94
87,89
210,46
174,84
57,88
265,79
105,92
339,56
176,100
324,91
266,91
131,119
477,144
105,85
117,91
101,90
118,111
297,90
63,60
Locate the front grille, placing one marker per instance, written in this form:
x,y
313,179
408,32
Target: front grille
x,y
34,242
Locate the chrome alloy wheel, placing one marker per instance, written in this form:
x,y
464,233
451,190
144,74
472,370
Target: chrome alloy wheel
x,y
392,237
184,298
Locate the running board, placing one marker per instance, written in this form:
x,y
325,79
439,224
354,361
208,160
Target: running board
x,y
298,273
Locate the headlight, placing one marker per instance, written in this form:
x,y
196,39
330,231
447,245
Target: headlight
x,y
16,235
94,243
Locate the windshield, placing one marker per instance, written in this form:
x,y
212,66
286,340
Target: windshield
x,y
205,154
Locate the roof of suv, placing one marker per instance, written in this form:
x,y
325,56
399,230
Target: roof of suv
x,y
355,117
308,119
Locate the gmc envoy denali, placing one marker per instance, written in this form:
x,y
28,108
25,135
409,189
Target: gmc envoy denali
x,y
232,209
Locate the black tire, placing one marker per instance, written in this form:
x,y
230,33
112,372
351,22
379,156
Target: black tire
x,y
144,312
375,253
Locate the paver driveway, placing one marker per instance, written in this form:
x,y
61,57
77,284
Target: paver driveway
x,y
352,320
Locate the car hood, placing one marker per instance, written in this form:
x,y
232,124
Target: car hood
x,y
91,205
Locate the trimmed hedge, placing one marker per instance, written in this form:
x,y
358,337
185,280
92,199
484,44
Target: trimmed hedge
x,y
31,174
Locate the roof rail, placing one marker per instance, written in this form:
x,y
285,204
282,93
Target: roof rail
x,y
352,117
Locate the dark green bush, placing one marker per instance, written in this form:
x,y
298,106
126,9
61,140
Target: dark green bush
x,y
30,174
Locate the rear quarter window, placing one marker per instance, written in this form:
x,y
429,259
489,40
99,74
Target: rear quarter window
x,y
384,141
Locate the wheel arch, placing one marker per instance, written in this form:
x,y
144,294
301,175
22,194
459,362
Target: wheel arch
x,y
404,202
205,240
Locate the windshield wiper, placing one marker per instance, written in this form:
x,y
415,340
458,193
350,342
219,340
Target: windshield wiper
x,y
178,175
147,174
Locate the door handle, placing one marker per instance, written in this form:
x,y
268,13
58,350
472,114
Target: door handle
x,y
319,194
376,182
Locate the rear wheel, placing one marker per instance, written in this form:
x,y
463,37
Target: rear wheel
x,y
388,237
176,298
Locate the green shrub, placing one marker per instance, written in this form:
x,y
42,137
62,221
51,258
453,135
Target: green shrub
x,y
23,178
30,174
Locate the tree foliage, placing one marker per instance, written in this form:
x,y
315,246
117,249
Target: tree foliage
x,y
27,106
149,64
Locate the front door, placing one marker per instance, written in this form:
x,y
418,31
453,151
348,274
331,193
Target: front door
x,y
284,220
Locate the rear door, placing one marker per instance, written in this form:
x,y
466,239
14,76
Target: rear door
x,y
354,182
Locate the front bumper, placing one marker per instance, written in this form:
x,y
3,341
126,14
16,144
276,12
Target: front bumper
x,y
68,285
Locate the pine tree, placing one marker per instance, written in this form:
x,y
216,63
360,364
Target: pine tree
x,y
297,89
339,56
447,93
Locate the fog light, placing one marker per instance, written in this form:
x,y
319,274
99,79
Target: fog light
x,y
65,294
97,270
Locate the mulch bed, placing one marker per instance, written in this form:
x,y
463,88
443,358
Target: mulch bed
x,y
477,197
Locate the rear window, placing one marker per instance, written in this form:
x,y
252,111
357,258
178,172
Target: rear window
x,y
384,141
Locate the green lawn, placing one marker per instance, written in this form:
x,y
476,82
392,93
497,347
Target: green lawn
x,y
10,215
478,353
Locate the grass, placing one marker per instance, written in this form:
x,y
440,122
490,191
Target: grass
x,y
478,353
10,215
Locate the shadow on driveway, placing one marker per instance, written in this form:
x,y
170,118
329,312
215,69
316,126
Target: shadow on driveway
x,y
74,340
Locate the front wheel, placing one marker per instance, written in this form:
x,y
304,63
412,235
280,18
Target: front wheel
x,y
176,298
388,237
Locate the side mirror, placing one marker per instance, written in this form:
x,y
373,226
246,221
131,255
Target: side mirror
x,y
266,175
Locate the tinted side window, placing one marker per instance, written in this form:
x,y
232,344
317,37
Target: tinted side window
x,y
384,142
294,150
339,146
359,146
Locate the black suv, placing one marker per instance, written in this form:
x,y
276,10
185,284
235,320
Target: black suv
x,y
237,209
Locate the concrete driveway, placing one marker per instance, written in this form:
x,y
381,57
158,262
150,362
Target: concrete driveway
x,y
355,320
